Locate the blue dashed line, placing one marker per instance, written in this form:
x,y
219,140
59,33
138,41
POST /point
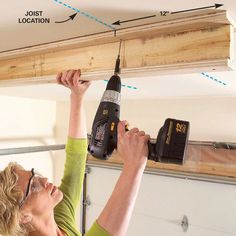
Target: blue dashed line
x,y
124,85
86,14
213,79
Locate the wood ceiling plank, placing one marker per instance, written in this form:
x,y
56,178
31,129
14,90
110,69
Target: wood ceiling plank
x,y
190,43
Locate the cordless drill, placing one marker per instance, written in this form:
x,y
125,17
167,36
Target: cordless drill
x,y
103,139
171,140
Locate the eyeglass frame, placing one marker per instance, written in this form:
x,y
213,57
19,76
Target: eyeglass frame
x,y
27,193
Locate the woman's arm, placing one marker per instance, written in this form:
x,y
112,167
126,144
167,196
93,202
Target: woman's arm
x,y
78,87
132,147
76,153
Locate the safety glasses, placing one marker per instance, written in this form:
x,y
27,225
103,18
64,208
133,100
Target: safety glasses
x,y
34,185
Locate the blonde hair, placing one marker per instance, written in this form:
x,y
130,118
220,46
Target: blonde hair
x,y
10,198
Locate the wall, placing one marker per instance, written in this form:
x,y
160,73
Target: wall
x,y
210,118
27,122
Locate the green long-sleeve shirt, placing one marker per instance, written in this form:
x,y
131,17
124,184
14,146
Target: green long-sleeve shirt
x,y
71,186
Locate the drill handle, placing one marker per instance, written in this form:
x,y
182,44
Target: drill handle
x,y
152,151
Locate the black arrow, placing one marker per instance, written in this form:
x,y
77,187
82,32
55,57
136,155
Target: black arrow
x,y
124,21
70,18
200,8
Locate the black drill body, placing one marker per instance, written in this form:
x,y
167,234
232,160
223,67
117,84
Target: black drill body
x,y
103,138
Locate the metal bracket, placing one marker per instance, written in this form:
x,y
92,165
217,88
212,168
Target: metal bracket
x,y
87,202
184,223
87,170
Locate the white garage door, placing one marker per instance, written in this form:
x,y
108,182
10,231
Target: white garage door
x,y
163,202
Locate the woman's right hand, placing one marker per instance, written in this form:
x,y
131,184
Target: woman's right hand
x,y
132,146
72,80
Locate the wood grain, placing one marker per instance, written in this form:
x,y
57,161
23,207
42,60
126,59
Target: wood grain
x,y
188,43
199,160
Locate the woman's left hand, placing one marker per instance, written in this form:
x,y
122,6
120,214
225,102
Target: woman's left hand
x,y
71,79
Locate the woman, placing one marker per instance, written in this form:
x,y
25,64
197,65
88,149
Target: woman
x,y
30,205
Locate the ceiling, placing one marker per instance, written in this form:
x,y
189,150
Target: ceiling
x,y
18,35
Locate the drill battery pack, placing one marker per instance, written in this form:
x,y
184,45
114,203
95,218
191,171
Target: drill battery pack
x,y
171,143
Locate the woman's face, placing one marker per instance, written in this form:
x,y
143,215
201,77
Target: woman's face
x,y
42,196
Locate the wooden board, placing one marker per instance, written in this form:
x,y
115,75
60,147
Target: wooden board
x,y
188,43
199,160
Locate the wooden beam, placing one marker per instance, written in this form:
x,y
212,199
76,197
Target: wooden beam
x,y
178,44
203,160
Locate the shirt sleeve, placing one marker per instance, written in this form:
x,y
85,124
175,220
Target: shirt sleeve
x,y
97,230
71,185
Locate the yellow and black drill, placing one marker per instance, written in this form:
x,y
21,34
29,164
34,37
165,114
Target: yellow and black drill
x,y
171,140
